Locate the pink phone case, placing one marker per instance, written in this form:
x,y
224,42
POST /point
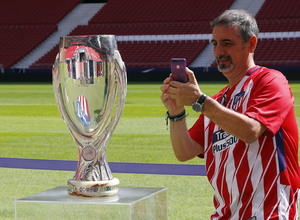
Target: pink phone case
x,y
178,70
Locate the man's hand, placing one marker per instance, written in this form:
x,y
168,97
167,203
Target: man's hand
x,y
176,94
170,103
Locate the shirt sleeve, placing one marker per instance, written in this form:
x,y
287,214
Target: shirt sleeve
x,y
270,101
197,130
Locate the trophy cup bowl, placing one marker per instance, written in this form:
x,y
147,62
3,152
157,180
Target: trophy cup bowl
x,y
90,84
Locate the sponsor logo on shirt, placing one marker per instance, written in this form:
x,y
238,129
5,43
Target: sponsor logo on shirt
x,y
222,140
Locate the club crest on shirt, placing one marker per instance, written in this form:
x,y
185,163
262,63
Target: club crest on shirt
x,y
222,140
237,100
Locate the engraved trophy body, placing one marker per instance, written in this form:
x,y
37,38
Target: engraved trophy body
x,y
90,84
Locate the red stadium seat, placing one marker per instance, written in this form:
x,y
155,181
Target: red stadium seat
x,y
279,16
283,52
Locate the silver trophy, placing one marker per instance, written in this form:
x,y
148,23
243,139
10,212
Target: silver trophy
x,y
90,84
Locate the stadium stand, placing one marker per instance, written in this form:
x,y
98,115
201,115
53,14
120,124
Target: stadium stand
x,y
21,40
28,26
151,18
279,16
159,17
283,52
146,53
15,12
158,54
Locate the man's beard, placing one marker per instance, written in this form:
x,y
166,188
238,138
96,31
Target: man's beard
x,y
222,67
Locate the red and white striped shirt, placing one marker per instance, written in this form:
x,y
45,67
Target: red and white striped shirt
x,y
260,179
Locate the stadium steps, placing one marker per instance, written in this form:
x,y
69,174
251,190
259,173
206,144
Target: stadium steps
x,y
251,6
78,16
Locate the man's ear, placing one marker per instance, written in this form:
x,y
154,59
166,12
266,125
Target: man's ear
x,y
252,43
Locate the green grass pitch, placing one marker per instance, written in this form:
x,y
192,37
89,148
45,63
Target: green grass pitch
x,y
31,127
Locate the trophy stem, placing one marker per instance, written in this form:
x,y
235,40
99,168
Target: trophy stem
x,y
93,178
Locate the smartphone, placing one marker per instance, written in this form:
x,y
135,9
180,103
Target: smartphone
x,y
178,70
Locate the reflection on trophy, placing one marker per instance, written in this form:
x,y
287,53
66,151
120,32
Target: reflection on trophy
x,y
90,84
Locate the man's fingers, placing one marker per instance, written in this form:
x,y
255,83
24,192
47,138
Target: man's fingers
x,y
191,75
164,88
164,97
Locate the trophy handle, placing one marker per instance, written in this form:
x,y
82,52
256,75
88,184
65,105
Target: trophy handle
x,y
119,73
56,84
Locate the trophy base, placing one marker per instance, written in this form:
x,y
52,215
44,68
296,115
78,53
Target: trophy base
x,y
93,188
131,203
